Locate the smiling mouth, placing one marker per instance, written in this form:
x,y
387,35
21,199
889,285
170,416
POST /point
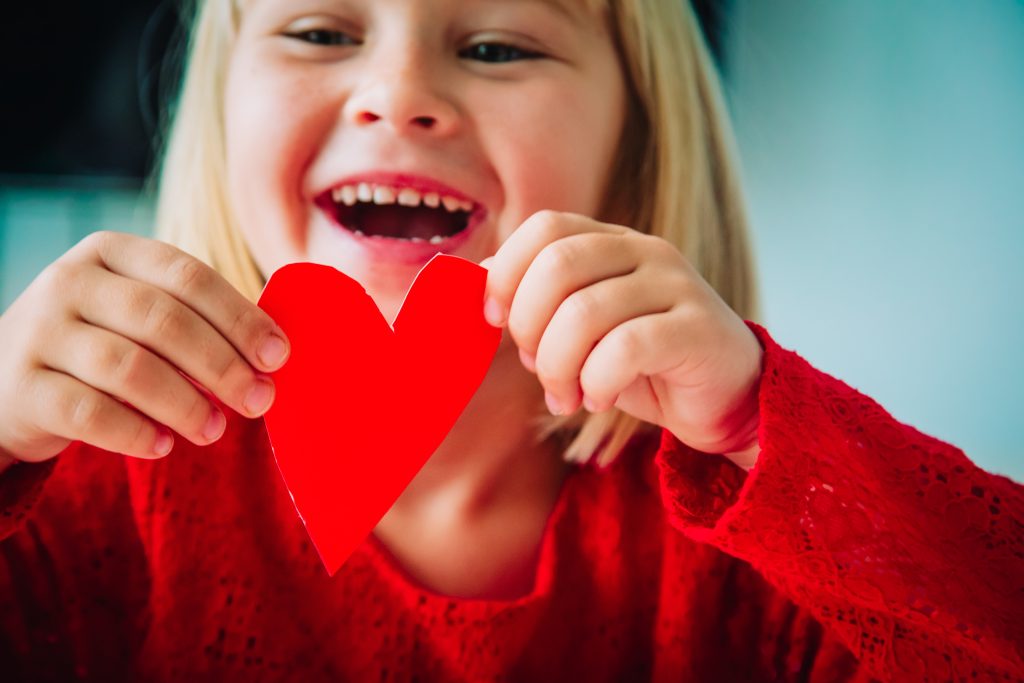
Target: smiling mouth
x,y
382,217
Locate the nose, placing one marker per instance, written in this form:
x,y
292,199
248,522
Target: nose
x,y
402,97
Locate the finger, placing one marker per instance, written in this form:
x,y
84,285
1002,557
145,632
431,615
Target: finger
x,y
643,346
244,324
70,409
581,321
163,324
123,369
560,269
522,246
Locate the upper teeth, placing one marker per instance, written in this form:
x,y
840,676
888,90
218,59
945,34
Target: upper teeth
x,y
405,196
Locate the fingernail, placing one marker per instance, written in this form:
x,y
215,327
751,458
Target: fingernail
x,y
589,404
494,313
164,442
528,360
215,425
259,398
552,404
273,351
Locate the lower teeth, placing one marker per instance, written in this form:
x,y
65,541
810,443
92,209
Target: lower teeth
x,y
436,239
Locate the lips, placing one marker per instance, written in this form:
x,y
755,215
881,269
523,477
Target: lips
x,y
415,224
398,206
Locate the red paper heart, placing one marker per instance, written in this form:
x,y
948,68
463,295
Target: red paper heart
x,y
359,407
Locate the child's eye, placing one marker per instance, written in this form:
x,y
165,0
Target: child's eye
x,y
497,53
324,37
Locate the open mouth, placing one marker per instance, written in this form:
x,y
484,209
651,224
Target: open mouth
x,y
397,213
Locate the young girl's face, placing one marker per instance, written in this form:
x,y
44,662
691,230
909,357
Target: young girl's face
x,y
495,108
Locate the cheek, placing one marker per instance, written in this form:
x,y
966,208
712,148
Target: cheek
x,y
268,143
553,149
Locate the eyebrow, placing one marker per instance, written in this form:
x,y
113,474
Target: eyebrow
x,y
567,9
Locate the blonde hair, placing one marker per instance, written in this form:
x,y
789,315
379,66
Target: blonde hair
x,y
193,211
677,150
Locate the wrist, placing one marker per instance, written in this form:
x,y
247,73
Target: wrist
x,y
745,450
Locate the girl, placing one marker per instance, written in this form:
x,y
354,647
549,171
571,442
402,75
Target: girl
x,y
753,518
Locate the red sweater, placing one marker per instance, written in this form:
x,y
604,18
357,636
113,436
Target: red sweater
x,y
856,548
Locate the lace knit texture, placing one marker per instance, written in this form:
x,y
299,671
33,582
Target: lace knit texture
x,y
856,549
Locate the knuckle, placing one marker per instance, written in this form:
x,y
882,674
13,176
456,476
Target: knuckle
x,y
98,241
240,321
142,439
656,244
544,366
164,251
518,329
677,283
592,385
588,382
86,412
229,369
687,315
248,325
58,278
557,257
98,246
646,250
521,329
579,309
549,225
160,317
26,399
545,221
127,366
196,414
189,275
499,278
626,341
551,373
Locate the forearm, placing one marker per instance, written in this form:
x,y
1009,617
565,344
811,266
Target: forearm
x,y
874,527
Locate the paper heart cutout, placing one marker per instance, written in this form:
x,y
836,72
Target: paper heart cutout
x,y
359,408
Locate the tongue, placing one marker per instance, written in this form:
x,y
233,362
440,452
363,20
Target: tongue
x,y
393,220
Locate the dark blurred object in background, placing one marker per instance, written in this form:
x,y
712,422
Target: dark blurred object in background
x,y
78,78
84,82
714,20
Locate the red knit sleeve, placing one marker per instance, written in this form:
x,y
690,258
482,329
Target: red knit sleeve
x,y
73,573
20,486
907,552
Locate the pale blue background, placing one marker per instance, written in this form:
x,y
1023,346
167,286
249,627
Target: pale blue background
x,y
883,148
884,151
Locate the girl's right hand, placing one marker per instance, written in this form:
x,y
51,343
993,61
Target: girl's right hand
x,y
101,346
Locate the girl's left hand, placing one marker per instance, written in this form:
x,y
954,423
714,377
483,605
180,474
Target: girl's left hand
x,y
608,316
